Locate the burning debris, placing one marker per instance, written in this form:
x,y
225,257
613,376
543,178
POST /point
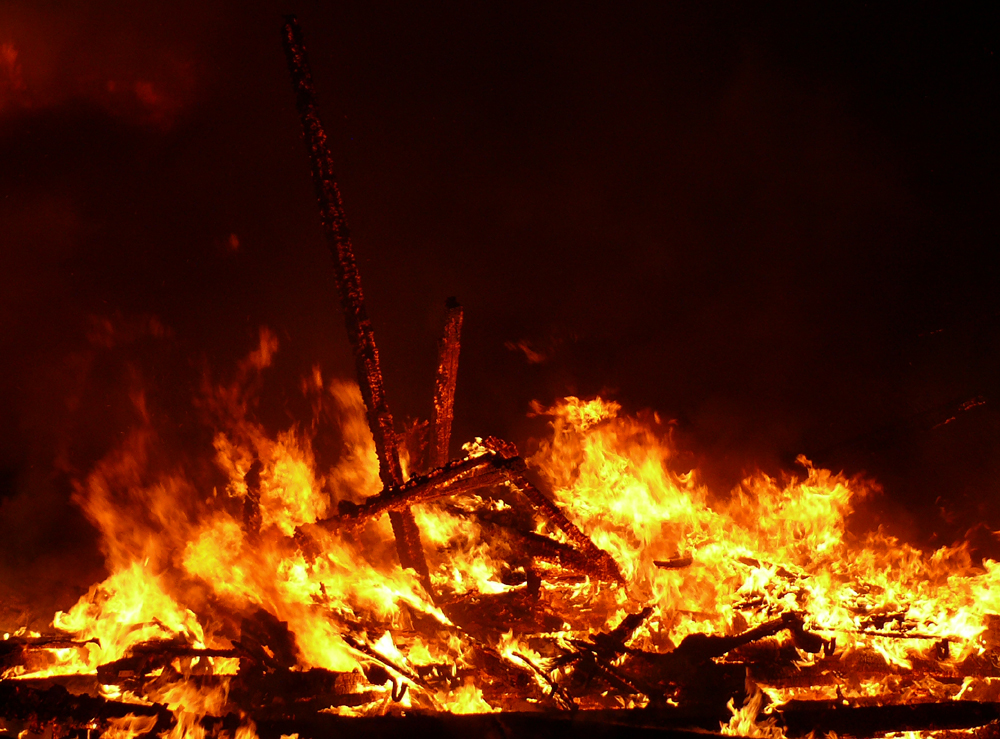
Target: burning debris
x,y
404,585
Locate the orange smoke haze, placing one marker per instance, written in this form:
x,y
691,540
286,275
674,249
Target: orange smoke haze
x,y
96,56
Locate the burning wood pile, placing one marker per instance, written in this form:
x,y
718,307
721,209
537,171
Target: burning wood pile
x,y
589,586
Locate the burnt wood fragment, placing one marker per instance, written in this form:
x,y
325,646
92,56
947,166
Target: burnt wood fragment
x,y
251,504
56,703
267,643
604,566
444,384
799,718
693,660
142,659
676,563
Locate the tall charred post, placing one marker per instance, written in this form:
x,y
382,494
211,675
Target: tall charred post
x,y
359,327
444,383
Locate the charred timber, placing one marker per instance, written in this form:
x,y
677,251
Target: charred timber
x,y
147,658
26,703
677,563
700,649
352,299
14,649
252,517
359,328
444,383
802,717
525,725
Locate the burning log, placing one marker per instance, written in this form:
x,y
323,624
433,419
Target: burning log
x,y
455,478
523,724
352,299
444,384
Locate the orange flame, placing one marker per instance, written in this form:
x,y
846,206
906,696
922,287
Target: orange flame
x,y
184,561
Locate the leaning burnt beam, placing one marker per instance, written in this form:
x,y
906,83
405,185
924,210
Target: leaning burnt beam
x,y
359,328
444,383
537,546
352,299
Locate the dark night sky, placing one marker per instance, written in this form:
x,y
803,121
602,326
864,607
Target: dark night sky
x,y
774,224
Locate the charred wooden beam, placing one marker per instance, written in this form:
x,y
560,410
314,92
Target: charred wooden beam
x,y
804,717
613,643
444,384
700,649
359,327
455,478
23,702
352,299
372,653
525,725
549,550
15,649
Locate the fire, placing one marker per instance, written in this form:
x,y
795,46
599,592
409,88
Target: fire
x,y
189,565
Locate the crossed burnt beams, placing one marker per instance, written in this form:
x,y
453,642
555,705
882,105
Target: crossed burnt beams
x,y
498,464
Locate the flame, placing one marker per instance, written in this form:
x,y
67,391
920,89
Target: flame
x,y
187,562
129,726
746,722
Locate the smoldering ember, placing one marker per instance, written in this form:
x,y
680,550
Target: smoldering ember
x,y
588,588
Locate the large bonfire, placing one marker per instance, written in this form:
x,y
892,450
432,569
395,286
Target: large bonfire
x,y
393,579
